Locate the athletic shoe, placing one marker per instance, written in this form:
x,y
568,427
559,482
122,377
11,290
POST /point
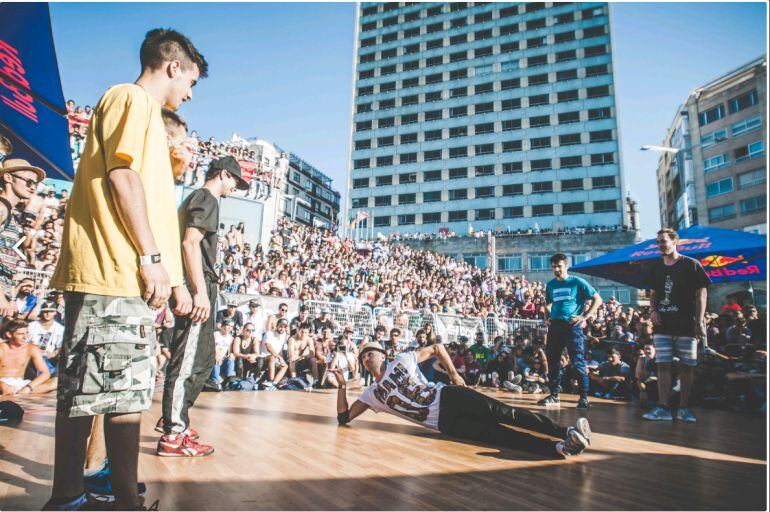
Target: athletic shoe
x,y
684,414
99,482
269,386
574,444
583,404
212,385
584,429
180,445
190,431
510,386
108,497
659,414
550,401
83,502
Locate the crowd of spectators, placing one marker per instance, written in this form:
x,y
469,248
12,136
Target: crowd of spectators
x,y
535,231
311,263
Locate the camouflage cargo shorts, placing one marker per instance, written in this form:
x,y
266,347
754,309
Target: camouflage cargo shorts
x,y
107,362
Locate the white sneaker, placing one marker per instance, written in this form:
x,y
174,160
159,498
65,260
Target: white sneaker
x,y
510,386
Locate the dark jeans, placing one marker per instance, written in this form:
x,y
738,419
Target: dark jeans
x,y
561,334
468,414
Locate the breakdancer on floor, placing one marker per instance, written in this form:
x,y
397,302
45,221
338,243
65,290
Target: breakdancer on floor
x,y
455,410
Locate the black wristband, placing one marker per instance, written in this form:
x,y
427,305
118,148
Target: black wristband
x,y
343,417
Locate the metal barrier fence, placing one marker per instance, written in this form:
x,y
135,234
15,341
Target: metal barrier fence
x,y
357,316
512,328
40,278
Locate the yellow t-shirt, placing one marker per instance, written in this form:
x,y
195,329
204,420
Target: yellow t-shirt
x,y
97,256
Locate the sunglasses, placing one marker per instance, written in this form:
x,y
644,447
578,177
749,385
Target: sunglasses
x,y
27,181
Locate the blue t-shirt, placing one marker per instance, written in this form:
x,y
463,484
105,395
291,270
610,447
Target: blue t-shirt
x,y
567,297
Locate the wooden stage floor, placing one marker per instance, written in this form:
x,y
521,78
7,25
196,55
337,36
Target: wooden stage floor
x,y
284,451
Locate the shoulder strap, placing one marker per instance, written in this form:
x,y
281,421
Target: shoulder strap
x,y
7,204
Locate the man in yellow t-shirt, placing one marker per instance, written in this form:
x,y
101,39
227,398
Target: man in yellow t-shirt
x,y
120,260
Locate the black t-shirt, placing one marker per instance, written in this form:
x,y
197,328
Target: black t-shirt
x,y
675,288
201,210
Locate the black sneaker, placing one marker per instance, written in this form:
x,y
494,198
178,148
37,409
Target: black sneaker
x,y
583,404
573,445
550,401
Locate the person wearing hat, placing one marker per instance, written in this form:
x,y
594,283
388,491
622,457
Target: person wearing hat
x,y
230,313
256,317
47,334
454,410
323,320
193,340
19,181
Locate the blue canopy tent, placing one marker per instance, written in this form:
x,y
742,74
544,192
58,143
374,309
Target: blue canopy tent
x,y
726,256
32,109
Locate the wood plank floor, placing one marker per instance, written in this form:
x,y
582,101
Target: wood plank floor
x,y
284,451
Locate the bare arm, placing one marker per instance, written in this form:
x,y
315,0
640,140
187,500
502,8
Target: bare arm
x,y
442,355
193,264
131,205
344,414
40,366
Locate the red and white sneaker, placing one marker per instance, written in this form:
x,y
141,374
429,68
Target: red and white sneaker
x,y
190,431
180,445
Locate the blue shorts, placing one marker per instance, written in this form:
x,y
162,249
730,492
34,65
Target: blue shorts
x,y
685,347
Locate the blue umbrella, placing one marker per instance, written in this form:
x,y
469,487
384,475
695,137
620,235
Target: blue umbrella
x,y
32,110
726,255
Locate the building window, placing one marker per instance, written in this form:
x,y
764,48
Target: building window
x,y
605,206
711,115
431,197
361,183
568,162
458,152
405,138
482,192
599,113
540,143
483,108
514,189
432,96
506,30
412,49
410,82
569,139
458,39
569,117
753,150
431,218
431,176
720,187
752,178
595,51
563,37
511,124
573,184
485,214
540,165
512,167
458,74
433,135
566,55
713,138
409,119
509,263
598,92
406,220
458,92
383,161
603,182
593,31
458,111
485,170
513,212
480,35
484,149
512,83
407,198
538,79
458,194
567,17
363,144
432,115
536,42
510,104
542,187
386,104
539,262
360,202
366,91
743,101
407,177
407,158
746,126
483,128
382,221
716,162
599,70
511,146
383,200
753,205
384,181
538,99
457,173
565,96
458,215
363,126
600,136
537,60
387,86
478,53
434,78
386,122
361,163
722,213
542,210
538,121
602,158
430,156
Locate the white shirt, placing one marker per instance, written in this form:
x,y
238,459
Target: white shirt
x,y
223,342
257,320
404,392
276,341
49,340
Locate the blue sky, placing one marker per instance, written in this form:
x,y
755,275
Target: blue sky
x,y
283,72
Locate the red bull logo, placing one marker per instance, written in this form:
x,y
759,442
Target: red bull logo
x,y
749,270
683,242
718,261
12,73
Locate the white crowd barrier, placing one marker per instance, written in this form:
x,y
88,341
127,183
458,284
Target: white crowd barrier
x,y
269,303
357,316
511,328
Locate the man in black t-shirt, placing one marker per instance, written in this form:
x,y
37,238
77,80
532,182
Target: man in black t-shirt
x,y
678,292
192,344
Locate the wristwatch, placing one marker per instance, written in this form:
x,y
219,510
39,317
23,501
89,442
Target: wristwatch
x,y
149,259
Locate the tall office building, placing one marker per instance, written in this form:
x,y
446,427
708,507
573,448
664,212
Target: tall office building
x,y
718,175
494,115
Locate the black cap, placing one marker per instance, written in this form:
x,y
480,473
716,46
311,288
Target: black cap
x,y
230,164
